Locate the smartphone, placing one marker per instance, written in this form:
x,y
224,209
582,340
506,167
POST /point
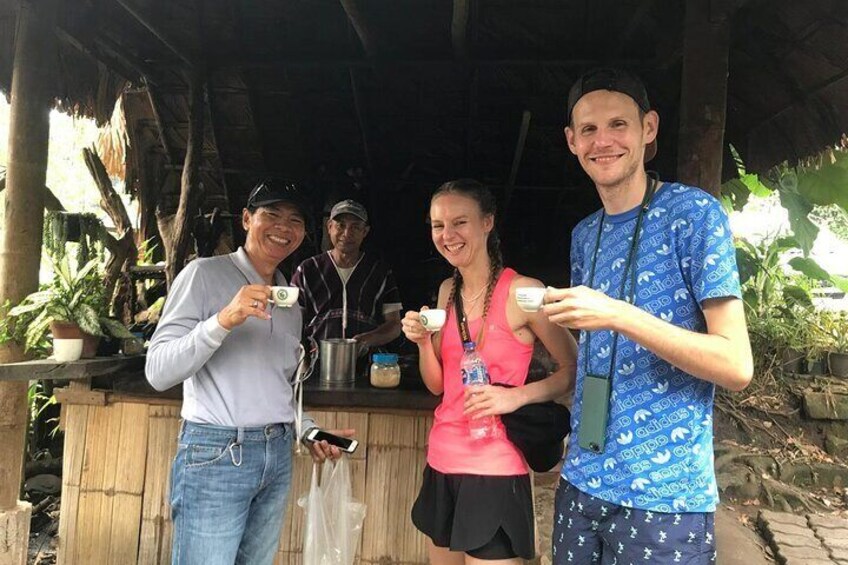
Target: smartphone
x,y
347,445
594,413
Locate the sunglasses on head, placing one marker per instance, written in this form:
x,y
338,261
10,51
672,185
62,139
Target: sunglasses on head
x,y
268,189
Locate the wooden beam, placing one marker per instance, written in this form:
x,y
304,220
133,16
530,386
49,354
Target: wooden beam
x,y
362,28
459,29
92,53
50,370
120,53
172,43
189,183
703,97
361,120
278,62
153,98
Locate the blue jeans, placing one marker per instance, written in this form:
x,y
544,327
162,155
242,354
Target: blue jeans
x,y
228,493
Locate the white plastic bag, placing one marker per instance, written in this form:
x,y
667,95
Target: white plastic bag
x,y
333,520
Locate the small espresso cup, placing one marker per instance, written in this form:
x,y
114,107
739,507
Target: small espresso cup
x,y
530,298
432,320
284,296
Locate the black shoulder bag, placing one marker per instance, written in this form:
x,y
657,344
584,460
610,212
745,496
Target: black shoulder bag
x,y
536,429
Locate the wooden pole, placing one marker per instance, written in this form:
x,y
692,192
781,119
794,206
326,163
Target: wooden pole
x,y
459,29
20,255
189,189
50,200
362,28
361,120
516,159
703,98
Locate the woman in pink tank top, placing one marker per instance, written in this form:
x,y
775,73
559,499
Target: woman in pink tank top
x,y
475,500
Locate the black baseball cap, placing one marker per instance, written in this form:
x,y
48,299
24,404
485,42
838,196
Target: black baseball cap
x,y
271,191
616,80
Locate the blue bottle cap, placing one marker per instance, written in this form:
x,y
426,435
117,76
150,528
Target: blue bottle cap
x,y
384,358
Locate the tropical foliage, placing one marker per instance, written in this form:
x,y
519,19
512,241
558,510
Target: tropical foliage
x,y
817,188
73,296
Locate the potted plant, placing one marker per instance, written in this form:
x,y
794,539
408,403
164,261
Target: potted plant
x,y
71,306
61,228
837,356
818,340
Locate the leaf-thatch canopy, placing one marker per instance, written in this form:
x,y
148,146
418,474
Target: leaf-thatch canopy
x,y
403,94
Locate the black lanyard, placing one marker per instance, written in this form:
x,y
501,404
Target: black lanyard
x,y
629,268
462,321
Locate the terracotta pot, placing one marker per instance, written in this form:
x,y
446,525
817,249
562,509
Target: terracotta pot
x,y
65,330
838,363
89,345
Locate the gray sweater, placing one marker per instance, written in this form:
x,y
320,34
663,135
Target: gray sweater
x,y
239,378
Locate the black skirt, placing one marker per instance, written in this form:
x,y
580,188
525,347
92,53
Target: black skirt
x,y
488,517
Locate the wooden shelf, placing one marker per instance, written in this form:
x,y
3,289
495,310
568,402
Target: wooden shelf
x,y
83,369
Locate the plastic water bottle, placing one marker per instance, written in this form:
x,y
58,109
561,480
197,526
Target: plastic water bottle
x,y
475,373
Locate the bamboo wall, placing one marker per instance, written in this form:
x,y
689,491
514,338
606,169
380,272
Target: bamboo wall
x,y
116,472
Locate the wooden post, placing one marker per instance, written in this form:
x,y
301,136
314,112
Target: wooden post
x,y
20,255
703,98
189,189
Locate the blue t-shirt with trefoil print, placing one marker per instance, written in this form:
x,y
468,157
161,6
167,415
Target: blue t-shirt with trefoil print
x,y
659,440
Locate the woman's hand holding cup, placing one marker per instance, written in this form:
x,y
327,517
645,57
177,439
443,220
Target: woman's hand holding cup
x,y
417,326
412,327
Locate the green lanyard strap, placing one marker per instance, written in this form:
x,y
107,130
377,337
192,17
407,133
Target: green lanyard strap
x,y
629,268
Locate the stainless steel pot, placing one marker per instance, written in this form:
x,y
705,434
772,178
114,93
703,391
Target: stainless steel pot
x,y
338,361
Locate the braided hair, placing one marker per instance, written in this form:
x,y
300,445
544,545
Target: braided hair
x,y
478,192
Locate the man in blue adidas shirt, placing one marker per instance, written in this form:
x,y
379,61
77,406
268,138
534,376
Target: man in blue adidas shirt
x,y
655,295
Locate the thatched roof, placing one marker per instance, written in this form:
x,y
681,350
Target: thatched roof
x,y
417,91
292,88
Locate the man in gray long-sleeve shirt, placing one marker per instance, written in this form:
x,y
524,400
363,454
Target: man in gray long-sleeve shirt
x,y
236,358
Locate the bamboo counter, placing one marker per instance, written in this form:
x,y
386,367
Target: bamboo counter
x,y
121,437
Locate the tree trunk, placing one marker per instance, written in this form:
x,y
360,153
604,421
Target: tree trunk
x,y
123,252
189,189
703,97
20,255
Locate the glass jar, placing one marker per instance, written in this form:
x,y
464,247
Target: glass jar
x,y
385,371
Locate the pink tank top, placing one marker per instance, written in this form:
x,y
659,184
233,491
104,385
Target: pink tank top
x,y
450,448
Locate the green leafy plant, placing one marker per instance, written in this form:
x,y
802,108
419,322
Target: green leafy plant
x,y
13,329
834,326
804,190
86,230
765,284
72,296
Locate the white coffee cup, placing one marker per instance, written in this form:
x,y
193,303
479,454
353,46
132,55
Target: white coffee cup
x,y
284,296
433,319
67,350
530,298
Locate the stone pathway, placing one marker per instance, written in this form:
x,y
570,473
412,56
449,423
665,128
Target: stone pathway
x,y
805,540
